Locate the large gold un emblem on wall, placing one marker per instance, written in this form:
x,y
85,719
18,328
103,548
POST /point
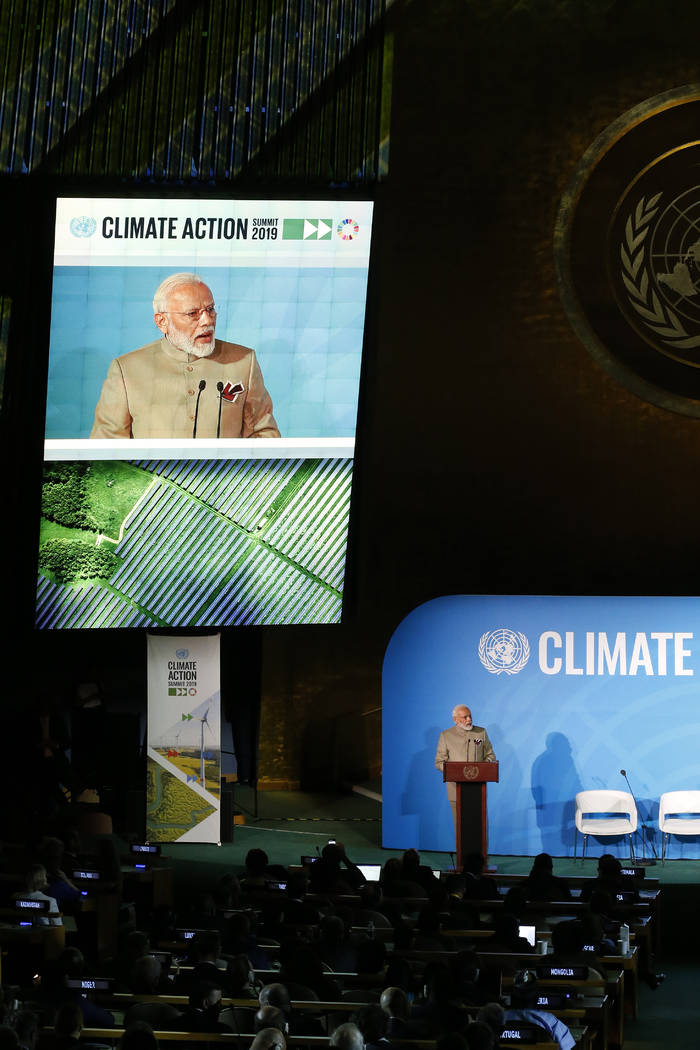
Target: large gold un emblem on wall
x,y
627,249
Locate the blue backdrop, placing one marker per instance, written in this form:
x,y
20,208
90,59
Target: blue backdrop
x,y
555,731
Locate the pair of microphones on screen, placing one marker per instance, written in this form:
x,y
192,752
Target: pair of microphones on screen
x,y
202,385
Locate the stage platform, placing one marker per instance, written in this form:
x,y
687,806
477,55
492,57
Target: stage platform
x,y
292,824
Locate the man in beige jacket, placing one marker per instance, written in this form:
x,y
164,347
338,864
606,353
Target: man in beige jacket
x,y
464,742
187,383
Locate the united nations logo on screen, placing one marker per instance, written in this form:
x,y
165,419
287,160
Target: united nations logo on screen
x,y
628,250
83,226
504,651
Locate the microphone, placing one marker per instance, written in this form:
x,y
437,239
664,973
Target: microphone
x,y
219,387
202,384
643,862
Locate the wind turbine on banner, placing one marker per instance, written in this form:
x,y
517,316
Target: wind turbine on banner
x,y
173,751
204,721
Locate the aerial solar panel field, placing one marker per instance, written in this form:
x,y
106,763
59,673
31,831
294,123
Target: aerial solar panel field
x,y
199,543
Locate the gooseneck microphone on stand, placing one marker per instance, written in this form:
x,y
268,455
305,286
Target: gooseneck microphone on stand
x,y
219,387
202,384
643,862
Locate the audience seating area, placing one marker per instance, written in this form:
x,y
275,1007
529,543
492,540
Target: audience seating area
x,y
411,960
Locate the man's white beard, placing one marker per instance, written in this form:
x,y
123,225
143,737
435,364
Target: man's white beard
x,y
202,351
189,346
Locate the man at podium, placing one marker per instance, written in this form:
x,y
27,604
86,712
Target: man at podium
x,y
464,743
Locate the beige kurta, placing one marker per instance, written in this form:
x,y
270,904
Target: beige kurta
x,y
463,745
152,393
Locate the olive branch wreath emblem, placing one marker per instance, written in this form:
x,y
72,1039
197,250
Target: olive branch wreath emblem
x,y
494,668
642,295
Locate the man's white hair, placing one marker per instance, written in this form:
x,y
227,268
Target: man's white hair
x,y
168,286
459,707
347,1036
268,1037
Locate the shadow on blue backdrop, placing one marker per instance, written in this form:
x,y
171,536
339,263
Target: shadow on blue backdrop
x,y
555,782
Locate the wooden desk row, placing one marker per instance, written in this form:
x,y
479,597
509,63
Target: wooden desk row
x,y
590,1014
112,1035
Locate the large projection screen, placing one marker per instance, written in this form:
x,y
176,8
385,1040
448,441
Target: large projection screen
x,y
157,529
571,690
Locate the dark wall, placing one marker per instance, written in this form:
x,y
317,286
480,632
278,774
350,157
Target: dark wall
x,y
495,455
524,467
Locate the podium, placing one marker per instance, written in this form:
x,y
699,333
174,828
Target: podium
x,y
470,779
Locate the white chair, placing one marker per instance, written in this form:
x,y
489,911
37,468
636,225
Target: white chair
x,y
602,813
678,802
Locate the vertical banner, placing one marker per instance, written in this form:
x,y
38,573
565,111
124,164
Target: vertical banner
x,y
183,771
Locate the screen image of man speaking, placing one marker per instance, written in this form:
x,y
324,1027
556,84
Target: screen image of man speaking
x,y
188,383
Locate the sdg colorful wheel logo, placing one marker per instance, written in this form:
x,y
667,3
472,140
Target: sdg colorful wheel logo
x,y
348,229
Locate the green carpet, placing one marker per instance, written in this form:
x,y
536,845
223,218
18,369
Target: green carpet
x,y
289,824
668,1017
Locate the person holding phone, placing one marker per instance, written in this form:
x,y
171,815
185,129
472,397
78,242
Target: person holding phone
x,y
334,872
